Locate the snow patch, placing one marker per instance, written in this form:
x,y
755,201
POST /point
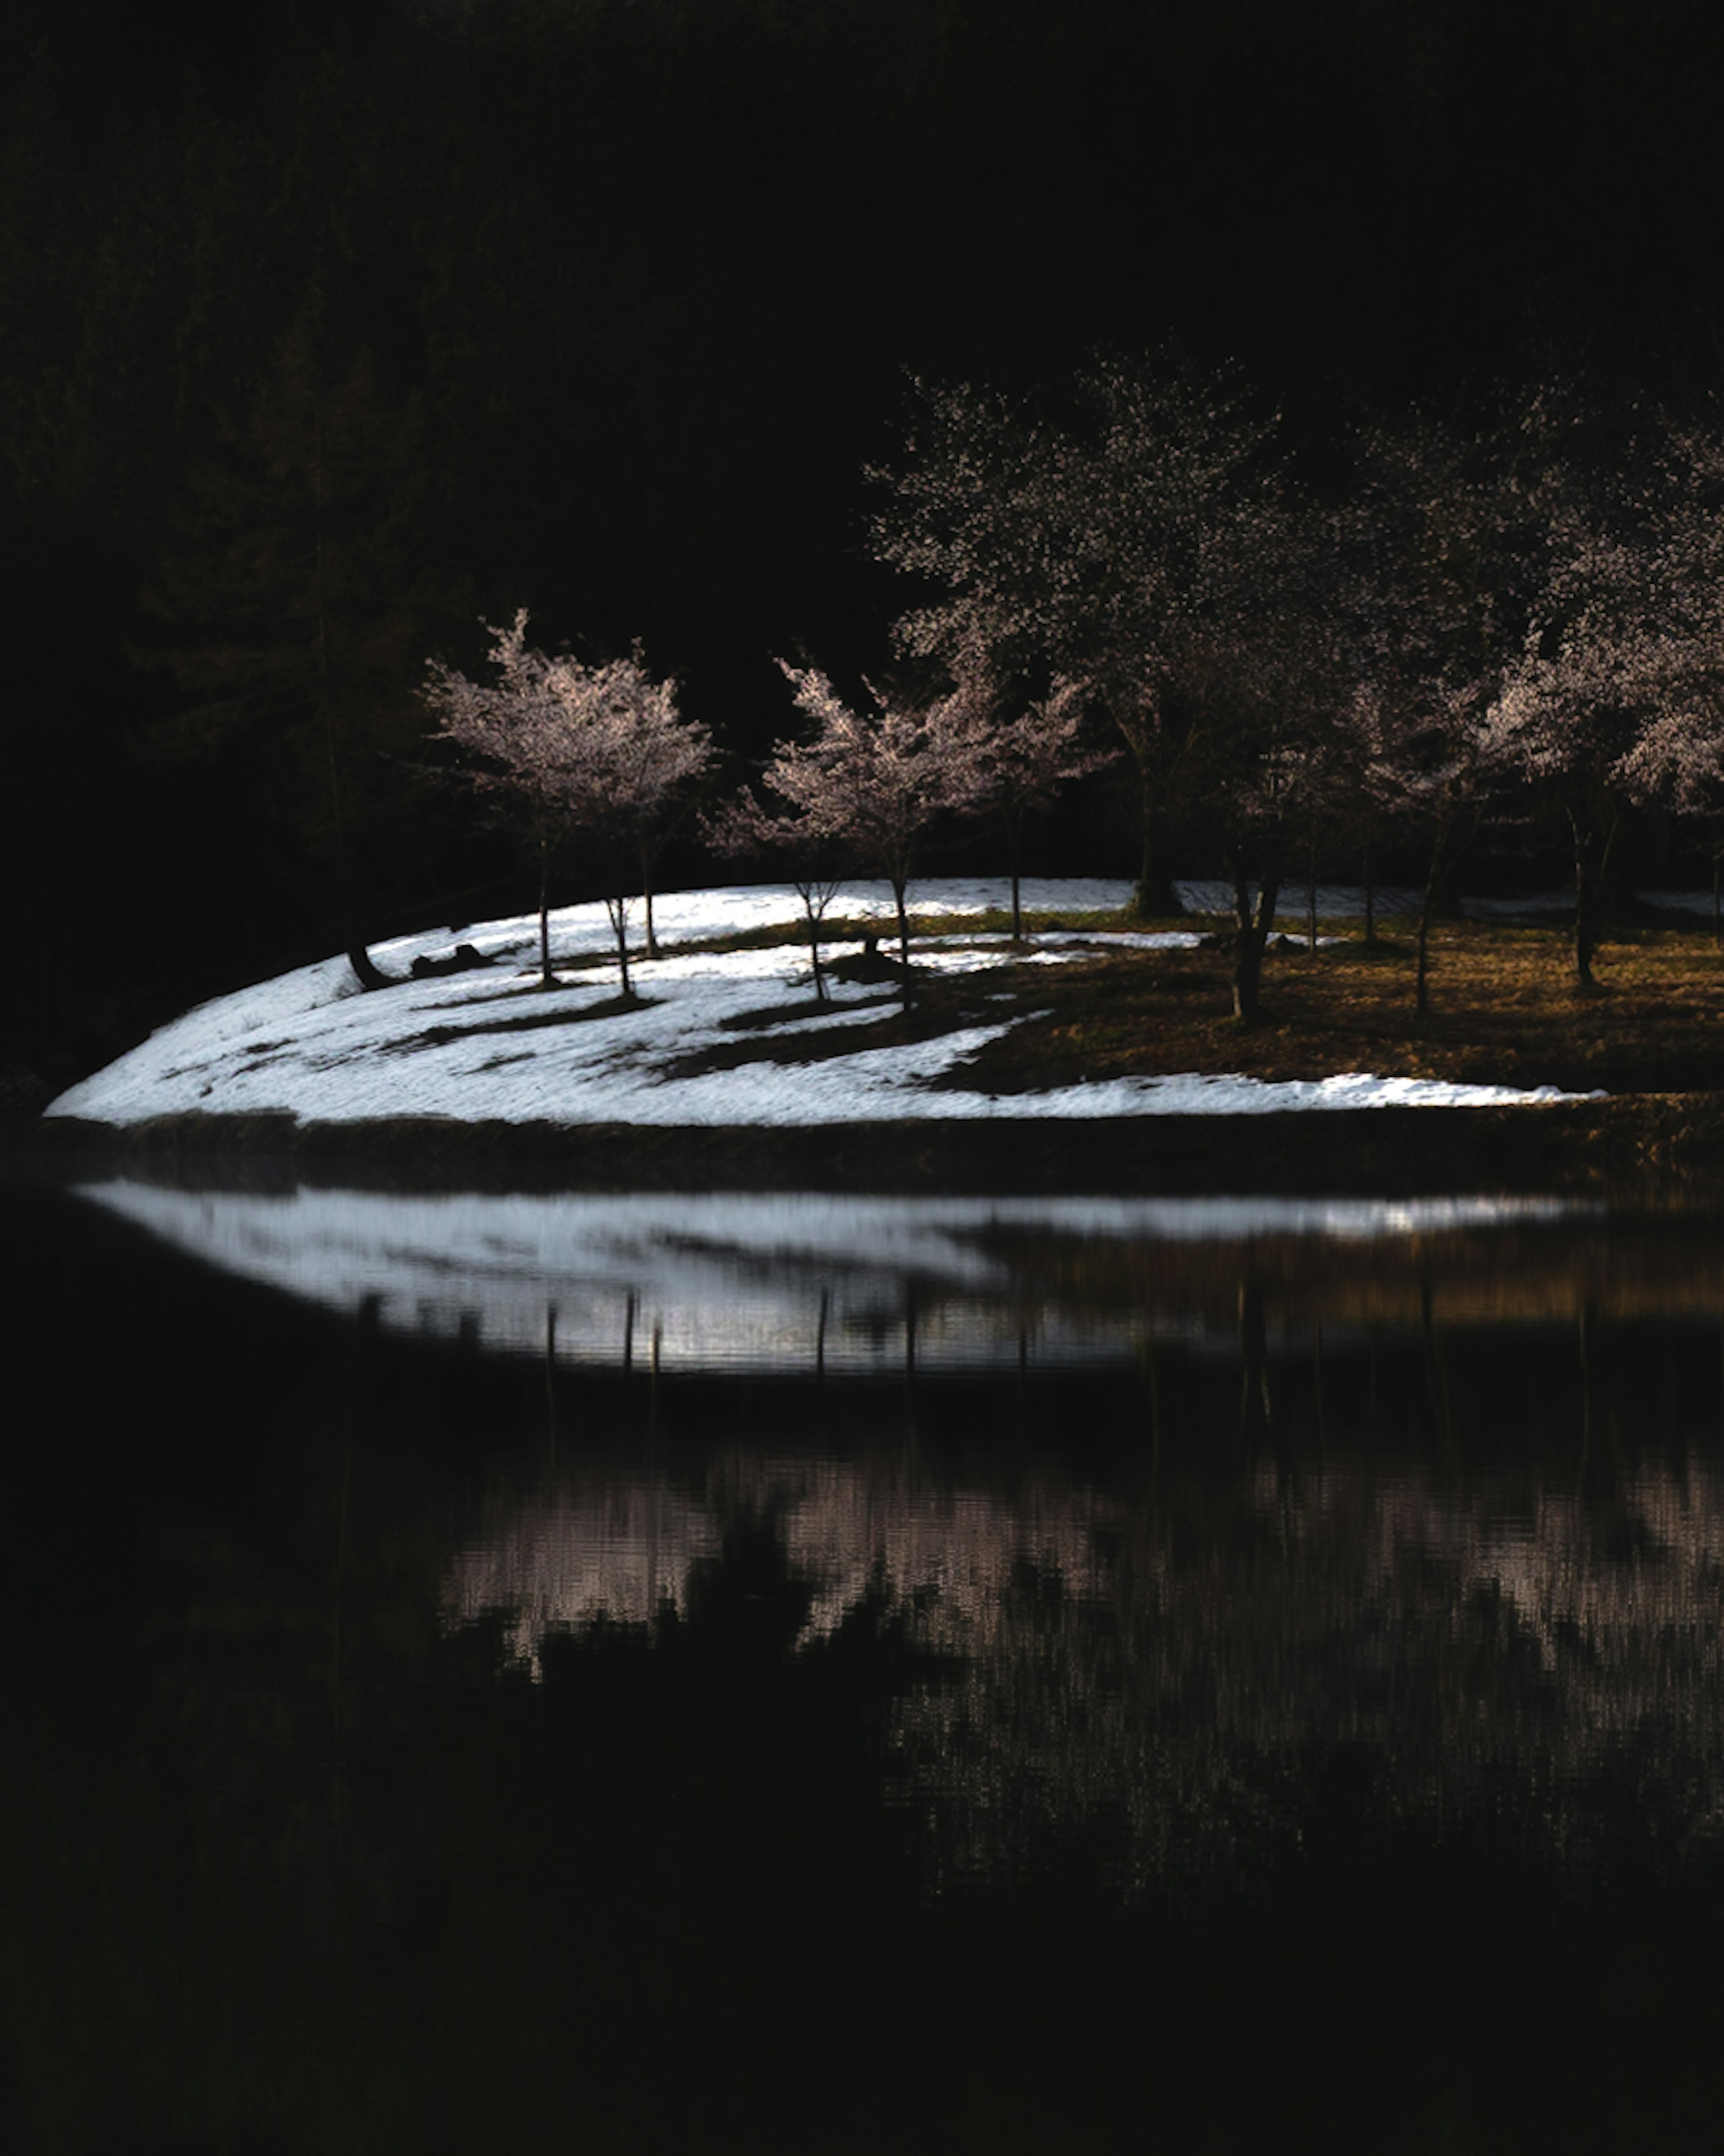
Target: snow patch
x,y
491,1044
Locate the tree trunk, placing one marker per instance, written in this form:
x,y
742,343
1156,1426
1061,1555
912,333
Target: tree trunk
x,y
1591,862
1249,942
814,947
617,909
1311,904
646,889
1012,818
545,976
1154,896
1585,938
360,959
1427,914
900,886
1437,874
1370,903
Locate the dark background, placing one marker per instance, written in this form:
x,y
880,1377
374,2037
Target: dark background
x,y
327,331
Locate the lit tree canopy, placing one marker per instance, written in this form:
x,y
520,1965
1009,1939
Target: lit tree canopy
x,y
1116,552
566,750
815,860
1024,761
874,782
1603,620
1676,761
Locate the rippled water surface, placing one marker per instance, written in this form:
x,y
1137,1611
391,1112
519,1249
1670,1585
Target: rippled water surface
x,y
740,1673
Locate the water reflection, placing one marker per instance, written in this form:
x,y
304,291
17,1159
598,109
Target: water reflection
x,y
853,1286
1171,1659
424,1744
1422,1484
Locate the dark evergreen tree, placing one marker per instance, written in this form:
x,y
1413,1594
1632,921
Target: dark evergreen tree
x,y
292,607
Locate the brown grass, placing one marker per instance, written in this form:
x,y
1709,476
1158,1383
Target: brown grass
x,y
1504,1009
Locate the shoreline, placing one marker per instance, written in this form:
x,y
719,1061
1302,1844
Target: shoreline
x,y
1648,1147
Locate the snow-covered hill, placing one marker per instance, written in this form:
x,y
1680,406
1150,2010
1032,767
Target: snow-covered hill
x,y
491,1044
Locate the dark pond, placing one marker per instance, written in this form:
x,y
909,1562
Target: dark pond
x,y
726,1674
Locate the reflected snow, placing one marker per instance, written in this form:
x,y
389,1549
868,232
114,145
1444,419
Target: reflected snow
x,y
780,1282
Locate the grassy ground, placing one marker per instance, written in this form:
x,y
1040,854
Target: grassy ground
x,y
1504,1009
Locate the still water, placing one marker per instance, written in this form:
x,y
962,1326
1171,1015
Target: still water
x,y
735,1673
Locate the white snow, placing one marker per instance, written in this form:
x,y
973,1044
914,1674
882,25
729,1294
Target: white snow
x,y
494,1044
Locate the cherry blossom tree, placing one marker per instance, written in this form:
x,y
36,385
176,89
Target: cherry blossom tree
x,y
1263,702
1421,779
646,762
1471,555
1560,727
1677,761
1110,551
1432,566
1023,762
815,862
564,750
1591,670
876,782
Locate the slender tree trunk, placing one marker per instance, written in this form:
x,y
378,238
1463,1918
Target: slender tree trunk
x,y
1310,904
1441,867
814,947
646,888
547,978
1370,903
1592,863
617,909
1433,875
1249,942
1586,940
900,886
1011,822
1585,935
